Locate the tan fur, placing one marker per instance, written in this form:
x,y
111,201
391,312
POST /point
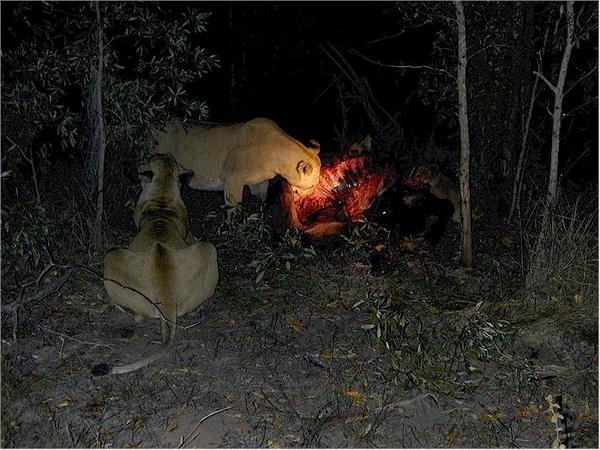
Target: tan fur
x,y
358,148
441,186
228,157
164,273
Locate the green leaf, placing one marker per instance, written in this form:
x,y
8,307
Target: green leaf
x,y
259,277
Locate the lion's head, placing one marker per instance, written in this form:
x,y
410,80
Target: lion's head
x,y
427,174
306,176
161,178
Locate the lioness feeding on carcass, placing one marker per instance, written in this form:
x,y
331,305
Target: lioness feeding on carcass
x,y
351,190
229,157
347,188
164,273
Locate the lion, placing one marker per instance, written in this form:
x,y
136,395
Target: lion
x,y
441,186
229,157
164,273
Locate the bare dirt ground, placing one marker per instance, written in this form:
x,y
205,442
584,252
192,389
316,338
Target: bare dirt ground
x,y
322,351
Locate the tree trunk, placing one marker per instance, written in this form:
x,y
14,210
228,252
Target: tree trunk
x,y
519,71
98,140
518,176
557,114
465,152
556,122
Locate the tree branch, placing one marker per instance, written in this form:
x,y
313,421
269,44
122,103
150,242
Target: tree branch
x,y
583,77
392,66
545,80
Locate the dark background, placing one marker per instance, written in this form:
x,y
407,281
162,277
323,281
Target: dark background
x,y
275,62
284,73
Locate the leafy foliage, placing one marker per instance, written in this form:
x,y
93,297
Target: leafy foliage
x,y
32,234
152,56
433,348
250,233
153,62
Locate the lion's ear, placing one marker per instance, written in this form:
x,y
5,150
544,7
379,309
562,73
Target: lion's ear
x,y
185,177
145,177
315,146
304,168
367,142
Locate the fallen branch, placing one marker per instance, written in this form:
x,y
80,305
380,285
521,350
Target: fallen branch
x,y
405,403
195,432
44,292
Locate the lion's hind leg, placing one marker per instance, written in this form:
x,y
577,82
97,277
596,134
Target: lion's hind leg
x,y
196,276
129,280
260,190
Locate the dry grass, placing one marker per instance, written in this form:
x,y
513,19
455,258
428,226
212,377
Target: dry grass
x,y
562,275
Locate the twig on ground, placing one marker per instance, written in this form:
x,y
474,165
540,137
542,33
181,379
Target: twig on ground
x,y
63,336
405,403
44,292
195,432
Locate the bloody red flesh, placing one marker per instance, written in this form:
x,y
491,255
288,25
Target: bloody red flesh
x,y
346,189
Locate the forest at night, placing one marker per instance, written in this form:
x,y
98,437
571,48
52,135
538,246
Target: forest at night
x,y
450,246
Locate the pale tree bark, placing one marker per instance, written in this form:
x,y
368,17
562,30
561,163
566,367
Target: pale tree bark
x,y
98,139
465,152
558,91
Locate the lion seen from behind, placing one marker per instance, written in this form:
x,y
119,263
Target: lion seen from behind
x,y
164,273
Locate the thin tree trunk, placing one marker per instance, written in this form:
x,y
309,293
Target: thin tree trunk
x,y
518,72
557,115
556,122
465,152
34,175
99,138
518,180
557,112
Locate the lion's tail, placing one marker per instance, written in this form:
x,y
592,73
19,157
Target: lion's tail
x,y
168,320
168,331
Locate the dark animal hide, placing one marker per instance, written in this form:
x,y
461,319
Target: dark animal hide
x,y
406,211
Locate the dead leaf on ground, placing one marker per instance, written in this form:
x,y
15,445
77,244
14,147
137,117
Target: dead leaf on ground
x,y
45,408
66,401
172,423
295,324
358,398
487,418
329,354
452,435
